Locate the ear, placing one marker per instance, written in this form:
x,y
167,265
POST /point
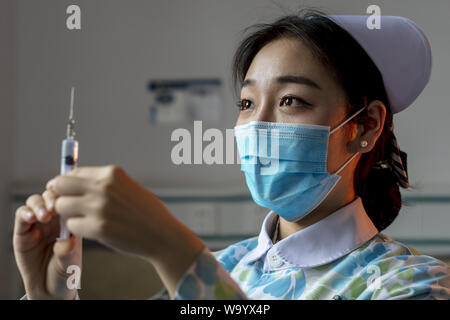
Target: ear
x,y
370,126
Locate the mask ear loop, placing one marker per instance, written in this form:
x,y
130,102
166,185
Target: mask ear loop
x,y
343,123
346,162
340,125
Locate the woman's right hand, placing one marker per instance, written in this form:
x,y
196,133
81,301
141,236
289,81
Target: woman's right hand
x,y
41,259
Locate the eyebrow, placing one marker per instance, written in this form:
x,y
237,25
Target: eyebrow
x,y
287,79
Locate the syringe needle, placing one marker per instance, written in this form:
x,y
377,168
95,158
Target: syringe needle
x,y
72,93
71,122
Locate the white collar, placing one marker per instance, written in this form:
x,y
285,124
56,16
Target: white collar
x,y
320,243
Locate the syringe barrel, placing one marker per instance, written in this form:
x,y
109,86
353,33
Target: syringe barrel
x,y
69,158
69,155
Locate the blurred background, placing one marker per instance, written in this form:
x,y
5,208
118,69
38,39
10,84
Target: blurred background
x,y
142,69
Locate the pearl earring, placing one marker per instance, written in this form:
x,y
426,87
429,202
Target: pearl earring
x,y
363,143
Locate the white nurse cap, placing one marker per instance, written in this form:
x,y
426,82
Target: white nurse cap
x,y
399,49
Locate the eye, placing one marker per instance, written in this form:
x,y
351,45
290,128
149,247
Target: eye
x,y
243,104
293,102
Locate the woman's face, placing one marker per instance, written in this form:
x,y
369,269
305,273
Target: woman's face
x,y
285,83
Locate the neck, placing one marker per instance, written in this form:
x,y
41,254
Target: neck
x,y
333,203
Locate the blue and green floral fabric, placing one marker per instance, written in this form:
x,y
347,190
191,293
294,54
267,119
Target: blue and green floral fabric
x,y
379,269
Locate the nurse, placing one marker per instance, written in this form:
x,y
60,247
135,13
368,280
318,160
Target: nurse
x,y
325,89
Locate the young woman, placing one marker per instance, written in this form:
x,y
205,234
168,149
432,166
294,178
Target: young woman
x,y
322,90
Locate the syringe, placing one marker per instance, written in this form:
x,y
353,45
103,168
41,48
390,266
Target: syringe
x,y
69,158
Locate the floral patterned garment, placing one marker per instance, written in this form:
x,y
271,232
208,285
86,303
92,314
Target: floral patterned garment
x,y
340,257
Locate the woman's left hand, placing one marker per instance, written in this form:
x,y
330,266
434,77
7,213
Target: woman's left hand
x,y
105,204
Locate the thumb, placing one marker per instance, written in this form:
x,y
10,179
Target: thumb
x,y
67,252
63,247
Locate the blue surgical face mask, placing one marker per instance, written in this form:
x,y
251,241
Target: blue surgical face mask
x,y
285,165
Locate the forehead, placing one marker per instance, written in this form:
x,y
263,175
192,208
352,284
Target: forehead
x,y
289,56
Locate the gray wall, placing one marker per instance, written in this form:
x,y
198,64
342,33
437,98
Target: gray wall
x,y
122,45
7,98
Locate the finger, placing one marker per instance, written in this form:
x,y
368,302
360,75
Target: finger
x,y
70,206
81,227
94,172
37,204
24,219
69,185
49,198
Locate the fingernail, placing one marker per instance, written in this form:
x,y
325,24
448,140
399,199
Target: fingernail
x,y
41,212
50,184
27,214
51,203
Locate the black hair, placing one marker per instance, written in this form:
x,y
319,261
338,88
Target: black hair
x,y
360,79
